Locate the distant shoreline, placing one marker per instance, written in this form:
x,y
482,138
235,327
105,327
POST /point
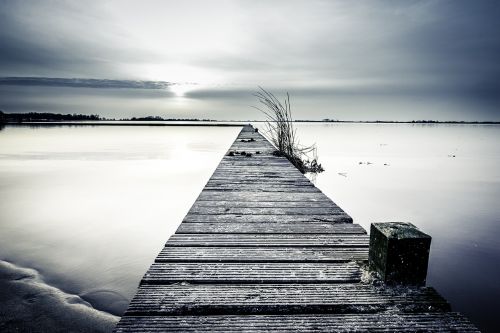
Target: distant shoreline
x,y
226,123
39,118
123,123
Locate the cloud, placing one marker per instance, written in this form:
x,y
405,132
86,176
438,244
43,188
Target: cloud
x,y
424,48
83,83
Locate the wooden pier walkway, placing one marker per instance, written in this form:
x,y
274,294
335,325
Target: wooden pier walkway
x,y
263,250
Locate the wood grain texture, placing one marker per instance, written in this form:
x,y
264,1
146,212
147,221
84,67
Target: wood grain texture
x,y
165,273
239,218
320,323
262,204
270,228
269,196
268,240
204,299
261,254
267,211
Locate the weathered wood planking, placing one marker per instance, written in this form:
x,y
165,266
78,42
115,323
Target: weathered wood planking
x,y
263,250
166,273
321,323
261,254
239,218
263,196
189,299
270,228
258,204
266,211
268,240
262,188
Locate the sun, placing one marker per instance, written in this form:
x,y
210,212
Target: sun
x,y
180,89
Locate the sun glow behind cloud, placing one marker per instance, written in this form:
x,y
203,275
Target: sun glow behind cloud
x,y
180,89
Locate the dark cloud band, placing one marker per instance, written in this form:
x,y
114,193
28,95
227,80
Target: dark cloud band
x,y
82,83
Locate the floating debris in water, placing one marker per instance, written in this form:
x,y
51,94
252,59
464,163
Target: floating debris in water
x,y
343,174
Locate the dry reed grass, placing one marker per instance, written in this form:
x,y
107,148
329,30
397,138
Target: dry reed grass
x,y
282,134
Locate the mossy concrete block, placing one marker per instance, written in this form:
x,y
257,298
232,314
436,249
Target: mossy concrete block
x,y
399,252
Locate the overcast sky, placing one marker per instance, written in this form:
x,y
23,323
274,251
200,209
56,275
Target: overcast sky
x,y
424,56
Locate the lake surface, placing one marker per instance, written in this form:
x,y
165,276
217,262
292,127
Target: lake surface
x,y
89,208
445,179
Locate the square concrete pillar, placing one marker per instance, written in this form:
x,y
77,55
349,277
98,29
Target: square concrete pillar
x,y
399,252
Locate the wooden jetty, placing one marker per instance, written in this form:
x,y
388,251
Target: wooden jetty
x,y
263,250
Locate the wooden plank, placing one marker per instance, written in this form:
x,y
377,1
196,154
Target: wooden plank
x,y
289,181
264,151
256,177
245,181
256,161
165,273
268,240
257,167
237,157
270,228
258,172
321,323
260,168
258,141
261,254
224,175
267,211
213,299
338,218
261,204
262,188
255,146
265,196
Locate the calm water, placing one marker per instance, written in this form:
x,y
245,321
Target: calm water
x,y
90,207
454,199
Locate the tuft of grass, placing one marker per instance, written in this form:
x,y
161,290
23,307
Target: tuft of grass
x,y
282,134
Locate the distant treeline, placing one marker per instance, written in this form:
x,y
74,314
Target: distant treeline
x,y
48,117
158,118
44,116
53,117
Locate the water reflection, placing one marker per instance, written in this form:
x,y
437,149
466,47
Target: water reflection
x,y
90,207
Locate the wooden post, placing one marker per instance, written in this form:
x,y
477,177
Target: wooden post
x,y
399,252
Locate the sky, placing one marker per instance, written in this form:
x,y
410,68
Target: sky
x,y
360,60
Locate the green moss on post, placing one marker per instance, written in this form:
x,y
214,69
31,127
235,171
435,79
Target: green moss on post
x,y
399,252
